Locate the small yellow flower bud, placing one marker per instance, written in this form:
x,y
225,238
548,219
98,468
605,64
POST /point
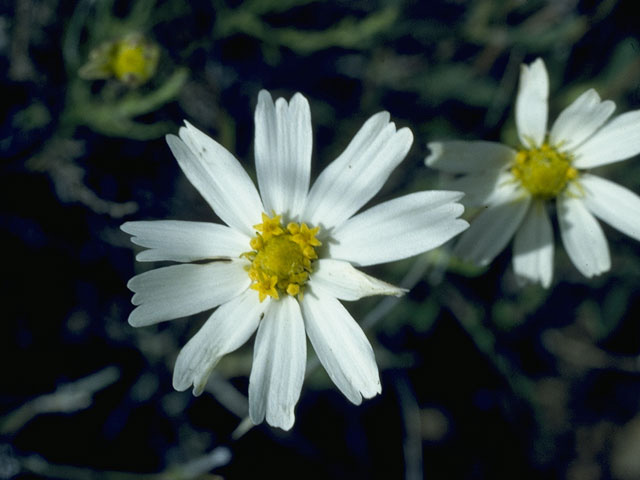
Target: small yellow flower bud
x,y
132,60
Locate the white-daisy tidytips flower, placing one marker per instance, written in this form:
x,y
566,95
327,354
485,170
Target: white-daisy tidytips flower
x,y
517,185
286,256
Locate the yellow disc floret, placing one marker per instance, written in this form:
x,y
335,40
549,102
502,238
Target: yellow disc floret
x,y
281,257
544,171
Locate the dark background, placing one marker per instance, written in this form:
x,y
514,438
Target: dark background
x,y
481,378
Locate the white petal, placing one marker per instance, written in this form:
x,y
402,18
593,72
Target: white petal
x,y
399,228
342,281
617,140
508,189
229,327
180,241
580,119
616,205
533,247
532,104
353,178
582,237
341,345
180,290
482,189
468,157
218,177
492,229
283,153
279,362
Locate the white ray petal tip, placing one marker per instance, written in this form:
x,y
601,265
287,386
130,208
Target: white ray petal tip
x,y
405,134
175,143
198,388
281,103
180,382
536,67
299,97
125,226
536,71
283,422
383,116
367,393
377,390
131,285
610,104
593,93
603,268
134,319
264,96
278,419
190,130
537,63
184,377
182,132
145,255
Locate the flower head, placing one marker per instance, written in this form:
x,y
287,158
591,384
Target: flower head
x,y
131,59
517,185
286,256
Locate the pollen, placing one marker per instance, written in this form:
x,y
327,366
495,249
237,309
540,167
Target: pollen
x,y
544,171
281,258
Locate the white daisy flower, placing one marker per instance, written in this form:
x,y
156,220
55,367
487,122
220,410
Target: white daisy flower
x,y
286,256
516,186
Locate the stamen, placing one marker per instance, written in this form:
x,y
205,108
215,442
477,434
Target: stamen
x,y
265,285
270,227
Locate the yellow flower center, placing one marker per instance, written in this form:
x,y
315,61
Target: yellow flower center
x,y
544,171
134,60
281,258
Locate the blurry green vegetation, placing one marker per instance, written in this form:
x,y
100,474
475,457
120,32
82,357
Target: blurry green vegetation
x,y
33,117
116,118
348,33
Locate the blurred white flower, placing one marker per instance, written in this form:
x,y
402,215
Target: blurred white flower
x,y
286,255
516,186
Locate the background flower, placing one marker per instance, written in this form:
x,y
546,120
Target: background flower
x,y
549,166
